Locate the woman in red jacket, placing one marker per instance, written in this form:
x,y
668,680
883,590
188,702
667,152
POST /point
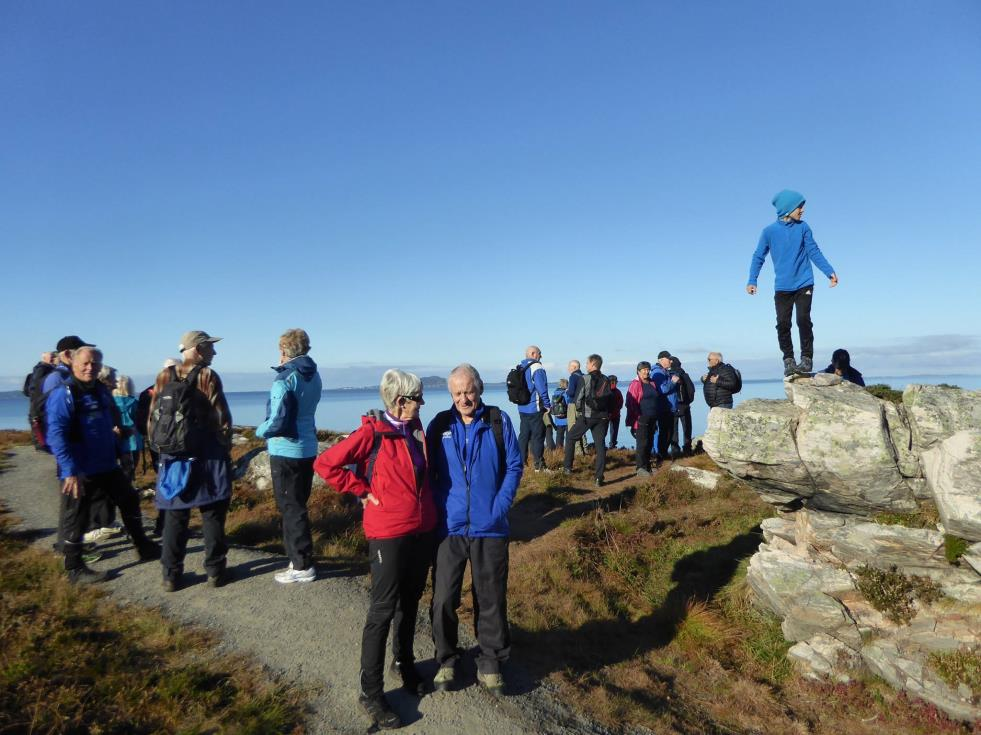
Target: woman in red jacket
x,y
391,479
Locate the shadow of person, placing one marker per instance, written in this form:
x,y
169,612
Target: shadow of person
x,y
536,515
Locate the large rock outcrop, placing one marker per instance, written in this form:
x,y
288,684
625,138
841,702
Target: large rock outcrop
x,y
854,593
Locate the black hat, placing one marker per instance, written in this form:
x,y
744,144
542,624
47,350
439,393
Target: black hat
x,y
662,354
71,342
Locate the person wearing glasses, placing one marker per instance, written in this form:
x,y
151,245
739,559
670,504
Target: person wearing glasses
x,y
391,479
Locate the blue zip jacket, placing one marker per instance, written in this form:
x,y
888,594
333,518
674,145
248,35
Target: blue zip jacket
x,y
792,247
56,377
538,385
574,380
80,429
666,389
472,497
290,426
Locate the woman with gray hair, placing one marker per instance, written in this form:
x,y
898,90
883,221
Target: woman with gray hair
x,y
291,434
392,480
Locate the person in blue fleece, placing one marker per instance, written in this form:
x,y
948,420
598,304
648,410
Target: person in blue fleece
x,y
291,434
790,241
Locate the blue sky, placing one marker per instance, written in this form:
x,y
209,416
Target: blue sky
x,y
418,184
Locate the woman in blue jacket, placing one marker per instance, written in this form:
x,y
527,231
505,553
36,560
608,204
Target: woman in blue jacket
x,y
291,431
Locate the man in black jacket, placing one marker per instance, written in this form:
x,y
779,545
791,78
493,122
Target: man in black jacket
x,y
719,383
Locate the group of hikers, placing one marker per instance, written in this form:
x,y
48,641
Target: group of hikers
x,y
435,498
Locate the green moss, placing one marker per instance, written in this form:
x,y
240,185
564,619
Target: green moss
x,y
954,548
925,516
893,593
885,392
959,667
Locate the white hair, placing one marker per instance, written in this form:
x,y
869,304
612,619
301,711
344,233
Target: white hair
x,y
465,368
395,383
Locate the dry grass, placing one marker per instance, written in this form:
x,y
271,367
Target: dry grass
x,y
72,662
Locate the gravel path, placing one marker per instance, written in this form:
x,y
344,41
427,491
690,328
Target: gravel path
x,y
308,633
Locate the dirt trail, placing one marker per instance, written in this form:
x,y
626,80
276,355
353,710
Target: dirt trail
x,y
308,633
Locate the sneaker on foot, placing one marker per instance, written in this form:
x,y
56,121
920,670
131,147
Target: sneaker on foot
x,y
379,712
171,584
806,364
493,683
411,681
443,681
220,579
84,575
90,557
789,367
291,575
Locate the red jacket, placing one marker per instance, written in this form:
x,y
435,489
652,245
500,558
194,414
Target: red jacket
x,y
405,499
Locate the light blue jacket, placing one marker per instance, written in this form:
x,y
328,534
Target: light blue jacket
x,y
290,426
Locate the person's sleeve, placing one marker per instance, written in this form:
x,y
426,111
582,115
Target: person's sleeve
x,y
570,390
858,379
514,467
815,254
541,385
633,403
283,409
617,401
216,396
332,464
59,425
434,452
759,257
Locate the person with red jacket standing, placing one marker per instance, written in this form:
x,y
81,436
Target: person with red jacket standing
x,y
392,481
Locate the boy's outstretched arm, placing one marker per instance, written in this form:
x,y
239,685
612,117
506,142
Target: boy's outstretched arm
x,y
756,263
817,257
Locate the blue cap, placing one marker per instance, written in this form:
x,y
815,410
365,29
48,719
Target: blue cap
x,y
787,201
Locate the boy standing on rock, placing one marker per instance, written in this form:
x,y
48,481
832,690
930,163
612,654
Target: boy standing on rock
x,y
790,241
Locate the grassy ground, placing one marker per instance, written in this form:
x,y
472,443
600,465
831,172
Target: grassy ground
x,y
72,662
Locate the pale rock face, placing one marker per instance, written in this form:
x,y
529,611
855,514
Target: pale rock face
x,y
953,472
702,478
936,413
973,557
901,436
779,579
823,656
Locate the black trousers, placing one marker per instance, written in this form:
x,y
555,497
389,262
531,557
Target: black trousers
x,y
614,430
786,302
176,534
646,428
76,512
665,430
292,480
532,434
598,428
560,435
488,559
682,431
399,567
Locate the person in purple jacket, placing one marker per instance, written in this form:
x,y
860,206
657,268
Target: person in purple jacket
x,y
790,242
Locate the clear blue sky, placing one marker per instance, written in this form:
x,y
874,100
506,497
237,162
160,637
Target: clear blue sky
x,y
418,184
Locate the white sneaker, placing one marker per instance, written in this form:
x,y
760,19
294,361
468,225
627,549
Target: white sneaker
x,y
295,575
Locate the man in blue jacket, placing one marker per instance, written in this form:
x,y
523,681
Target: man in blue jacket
x,y
83,428
792,246
532,414
667,400
476,467
291,431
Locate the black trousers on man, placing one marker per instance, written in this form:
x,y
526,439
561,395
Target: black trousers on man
x,y
532,434
682,432
598,428
292,479
646,429
176,534
614,430
488,559
786,302
665,430
76,512
399,567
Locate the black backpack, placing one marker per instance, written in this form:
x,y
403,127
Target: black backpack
x,y
739,380
177,430
143,410
686,388
518,390
492,415
560,406
599,396
37,412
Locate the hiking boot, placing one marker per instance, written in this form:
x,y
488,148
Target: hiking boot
x,y
291,575
84,575
379,712
598,482
806,364
148,551
789,367
411,681
643,472
443,681
493,683
170,584
219,580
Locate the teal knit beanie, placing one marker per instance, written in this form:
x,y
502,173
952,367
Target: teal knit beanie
x,y
787,201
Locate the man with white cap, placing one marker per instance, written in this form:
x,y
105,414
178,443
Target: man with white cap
x,y
191,426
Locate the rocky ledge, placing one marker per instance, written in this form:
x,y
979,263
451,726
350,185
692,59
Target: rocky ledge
x,y
856,587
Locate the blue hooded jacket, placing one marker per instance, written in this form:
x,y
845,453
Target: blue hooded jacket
x,y
538,385
80,424
793,248
666,388
290,426
472,497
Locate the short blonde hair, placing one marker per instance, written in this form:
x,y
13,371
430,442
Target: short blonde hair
x,y
294,342
395,383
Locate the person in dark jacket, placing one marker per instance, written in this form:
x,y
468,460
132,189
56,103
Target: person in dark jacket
x,y
392,481
667,402
206,482
291,431
682,412
841,364
615,409
719,383
594,420
474,491
83,433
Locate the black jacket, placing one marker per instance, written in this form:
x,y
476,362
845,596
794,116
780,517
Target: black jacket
x,y
720,392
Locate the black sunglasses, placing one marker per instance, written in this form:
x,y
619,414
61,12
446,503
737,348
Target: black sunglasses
x,y
417,399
